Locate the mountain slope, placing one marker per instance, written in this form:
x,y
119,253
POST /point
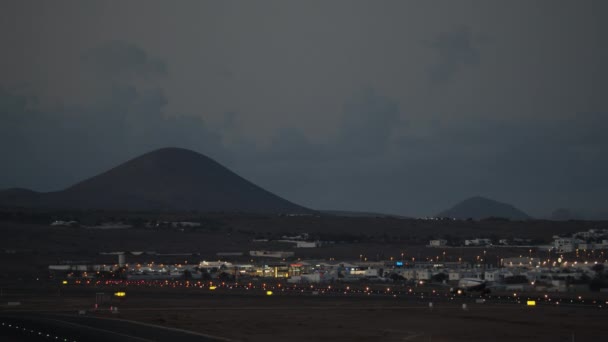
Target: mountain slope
x,y
165,179
479,208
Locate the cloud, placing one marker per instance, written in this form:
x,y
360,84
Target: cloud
x,y
367,123
120,59
445,119
365,129
337,172
523,161
68,142
455,50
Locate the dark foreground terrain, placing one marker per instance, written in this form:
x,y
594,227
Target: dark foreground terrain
x,y
257,317
29,243
29,247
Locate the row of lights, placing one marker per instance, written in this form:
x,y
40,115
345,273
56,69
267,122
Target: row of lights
x,y
322,290
31,331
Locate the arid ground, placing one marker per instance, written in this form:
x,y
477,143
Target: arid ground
x,y
256,317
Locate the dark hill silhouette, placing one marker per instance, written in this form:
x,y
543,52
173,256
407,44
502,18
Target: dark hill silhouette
x,y
20,197
563,214
167,179
347,213
479,208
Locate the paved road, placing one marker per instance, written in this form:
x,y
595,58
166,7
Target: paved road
x,y
54,327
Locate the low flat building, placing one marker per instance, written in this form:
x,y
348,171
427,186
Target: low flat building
x,y
272,254
438,243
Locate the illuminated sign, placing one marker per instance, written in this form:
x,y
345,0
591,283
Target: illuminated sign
x,y
120,294
212,288
269,293
65,282
531,303
399,263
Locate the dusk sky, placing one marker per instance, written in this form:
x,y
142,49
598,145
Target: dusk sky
x,y
403,107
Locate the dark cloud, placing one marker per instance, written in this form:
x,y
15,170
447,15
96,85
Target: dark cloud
x,y
455,51
367,124
517,161
365,130
520,161
338,172
279,100
120,58
66,143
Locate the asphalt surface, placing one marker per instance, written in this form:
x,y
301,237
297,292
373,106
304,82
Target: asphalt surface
x,y
73,328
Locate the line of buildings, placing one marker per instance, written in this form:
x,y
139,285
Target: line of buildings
x,y
520,274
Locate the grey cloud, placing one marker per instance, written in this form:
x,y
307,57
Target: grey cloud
x,y
455,51
61,143
523,161
517,161
291,144
120,58
125,121
368,122
366,126
335,173
446,119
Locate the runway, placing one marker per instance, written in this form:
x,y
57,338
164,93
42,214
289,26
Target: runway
x,y
73,328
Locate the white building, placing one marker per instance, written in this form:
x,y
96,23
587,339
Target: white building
x,y
214,264
271,254
523,262
454,275
306,244
423,274
496,275
438,243
408,273
565,245
460,274
478,242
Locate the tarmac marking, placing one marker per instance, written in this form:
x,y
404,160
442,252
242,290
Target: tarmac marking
x,y
194,333
96,329
408,338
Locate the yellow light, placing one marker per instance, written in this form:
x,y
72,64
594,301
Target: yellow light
x,y
212,288
531,303
120,294
269,293
65,282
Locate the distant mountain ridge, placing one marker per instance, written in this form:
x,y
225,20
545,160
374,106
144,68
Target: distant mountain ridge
x,y
166,179
479,208
348,213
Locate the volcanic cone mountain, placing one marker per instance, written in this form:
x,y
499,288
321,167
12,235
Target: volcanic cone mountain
x,y
165,179
480,208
